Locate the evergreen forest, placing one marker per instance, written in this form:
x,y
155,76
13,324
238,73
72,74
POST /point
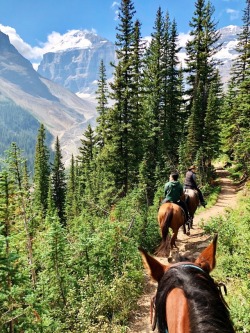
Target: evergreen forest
x,y
69,238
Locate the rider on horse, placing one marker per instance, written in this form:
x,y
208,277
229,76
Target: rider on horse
x,y
173,191
190,183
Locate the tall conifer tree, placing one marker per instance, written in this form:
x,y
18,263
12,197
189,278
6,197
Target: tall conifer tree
x,y
121,163
102,128
235,126
241,66
58,182
201,71
41,172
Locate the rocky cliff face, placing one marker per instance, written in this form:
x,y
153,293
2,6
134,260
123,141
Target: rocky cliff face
x,y
227,53
77,68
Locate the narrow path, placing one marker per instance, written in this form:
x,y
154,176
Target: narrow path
x,y
189,246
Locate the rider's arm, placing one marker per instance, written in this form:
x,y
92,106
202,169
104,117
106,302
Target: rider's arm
x,y
194,179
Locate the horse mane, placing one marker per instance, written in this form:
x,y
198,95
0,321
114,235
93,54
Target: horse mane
x,y
208,311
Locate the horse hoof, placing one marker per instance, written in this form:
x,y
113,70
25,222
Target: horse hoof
x,y
188,232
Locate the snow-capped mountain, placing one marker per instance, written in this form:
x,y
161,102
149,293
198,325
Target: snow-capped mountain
x,y
63,113
227,53
74,62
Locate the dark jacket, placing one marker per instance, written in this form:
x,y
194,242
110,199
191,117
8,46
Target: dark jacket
x,y
173,191
190,180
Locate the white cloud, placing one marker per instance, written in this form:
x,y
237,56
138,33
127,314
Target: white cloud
x,y
27,51
234,14
55,42
115,6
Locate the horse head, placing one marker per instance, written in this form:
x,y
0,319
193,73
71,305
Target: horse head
x,y
187,298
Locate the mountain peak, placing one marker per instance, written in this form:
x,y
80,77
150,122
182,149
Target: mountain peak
x,y
74,39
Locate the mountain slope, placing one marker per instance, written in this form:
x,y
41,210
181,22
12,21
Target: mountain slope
x,y
63,113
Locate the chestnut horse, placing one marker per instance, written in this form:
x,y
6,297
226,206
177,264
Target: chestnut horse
x,y
188,300
192,201
172,216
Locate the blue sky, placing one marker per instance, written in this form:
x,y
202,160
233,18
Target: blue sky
x,y
31,22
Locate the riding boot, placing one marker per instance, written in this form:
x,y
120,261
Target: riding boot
x,y
202,201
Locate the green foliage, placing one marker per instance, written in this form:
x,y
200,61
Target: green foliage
x,y
18,125
236,111
233,259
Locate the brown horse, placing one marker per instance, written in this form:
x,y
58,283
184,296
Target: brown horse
x,y
192,200
172,216
188,300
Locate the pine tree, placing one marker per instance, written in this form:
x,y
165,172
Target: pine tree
x,y
7,271
172,93
102,128
235,125
71,197
154,85
163,99
15,239
212,128
241,66
137,95
41,172
201,71
239,129
123,117
86,157
17,172
58,182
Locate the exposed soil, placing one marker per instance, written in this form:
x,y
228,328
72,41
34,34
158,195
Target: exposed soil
x,y
188,246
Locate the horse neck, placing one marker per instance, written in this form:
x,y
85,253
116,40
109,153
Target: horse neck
x,y
177,316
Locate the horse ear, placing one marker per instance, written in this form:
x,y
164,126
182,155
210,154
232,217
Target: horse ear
x,y
155,269
206,259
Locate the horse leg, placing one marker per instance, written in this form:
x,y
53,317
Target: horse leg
x,y
173,239
184,228
191,222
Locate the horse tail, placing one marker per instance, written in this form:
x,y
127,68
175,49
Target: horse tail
x,y
166,225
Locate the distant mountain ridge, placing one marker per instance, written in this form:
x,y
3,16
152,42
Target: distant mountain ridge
x,y
75,61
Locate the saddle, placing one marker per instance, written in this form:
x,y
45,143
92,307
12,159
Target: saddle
x,y
188,191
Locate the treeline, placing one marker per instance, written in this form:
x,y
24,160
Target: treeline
x,y
68,239
17,125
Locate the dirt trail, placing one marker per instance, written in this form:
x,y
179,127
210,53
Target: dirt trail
x,y
189,246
